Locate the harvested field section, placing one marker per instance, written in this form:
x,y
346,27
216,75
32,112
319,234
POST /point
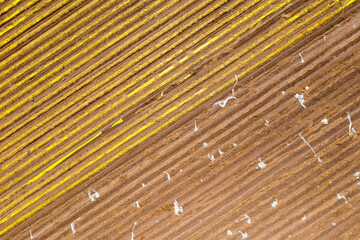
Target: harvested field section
x,y
99,101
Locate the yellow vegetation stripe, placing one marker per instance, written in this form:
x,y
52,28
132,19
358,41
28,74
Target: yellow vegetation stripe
x,y
52,166
172,119
141,87
207,43
183,59
166,70
118,122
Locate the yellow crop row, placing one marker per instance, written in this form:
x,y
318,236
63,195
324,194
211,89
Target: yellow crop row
x,y
278,39
117,123
184,59
52,166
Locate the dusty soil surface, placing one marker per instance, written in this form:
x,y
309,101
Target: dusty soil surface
x,y
102,97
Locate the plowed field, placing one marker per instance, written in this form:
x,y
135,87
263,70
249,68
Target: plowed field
x,y
179,119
